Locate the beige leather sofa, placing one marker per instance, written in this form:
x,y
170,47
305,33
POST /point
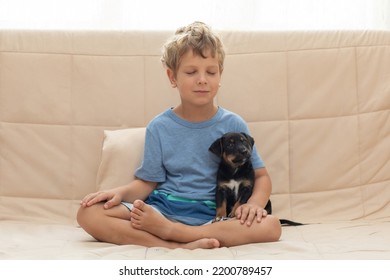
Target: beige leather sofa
x,y
74,104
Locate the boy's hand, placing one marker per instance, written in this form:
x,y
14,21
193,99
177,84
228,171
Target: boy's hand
x,y
112,198
247,213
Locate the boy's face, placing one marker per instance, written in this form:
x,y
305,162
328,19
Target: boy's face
x,y
197,78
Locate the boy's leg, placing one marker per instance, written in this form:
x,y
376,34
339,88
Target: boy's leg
x,y
228,233
114,226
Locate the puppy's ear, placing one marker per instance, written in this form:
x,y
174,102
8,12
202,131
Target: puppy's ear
x,y
216,147
249,138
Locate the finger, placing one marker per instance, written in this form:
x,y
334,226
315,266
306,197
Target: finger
x,y
244,215
87,198
98,198
112,202
237,214
251,217
260,214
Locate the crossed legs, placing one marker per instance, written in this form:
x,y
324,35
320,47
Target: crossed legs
x,y
144,226
113,225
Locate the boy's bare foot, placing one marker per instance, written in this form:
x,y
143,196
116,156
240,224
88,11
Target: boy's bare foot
x,y
144,217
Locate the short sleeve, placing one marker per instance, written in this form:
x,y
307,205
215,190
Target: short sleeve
x,y
151,168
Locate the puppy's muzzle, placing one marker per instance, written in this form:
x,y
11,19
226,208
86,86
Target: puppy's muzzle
x,y
241,157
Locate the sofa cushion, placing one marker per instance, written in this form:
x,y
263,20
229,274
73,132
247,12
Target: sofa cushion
x,y
122,152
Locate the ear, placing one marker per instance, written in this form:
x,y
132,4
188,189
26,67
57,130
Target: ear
x,y
249,138
216,147
171,77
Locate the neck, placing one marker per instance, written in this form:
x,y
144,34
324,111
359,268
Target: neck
x,y
229,170
195,114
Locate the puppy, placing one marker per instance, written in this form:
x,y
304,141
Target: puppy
x,y
235,176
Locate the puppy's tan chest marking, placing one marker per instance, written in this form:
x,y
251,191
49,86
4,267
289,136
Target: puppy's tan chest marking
x,y
233,185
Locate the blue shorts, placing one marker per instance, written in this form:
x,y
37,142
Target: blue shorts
x,y
186,211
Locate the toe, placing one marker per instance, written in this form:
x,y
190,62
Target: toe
x,y
139,204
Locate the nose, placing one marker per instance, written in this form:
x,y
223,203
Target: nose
x,y
202,80
244,151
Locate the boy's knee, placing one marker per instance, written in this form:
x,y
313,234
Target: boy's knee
x,y
274,228
85,215
81,216
277,228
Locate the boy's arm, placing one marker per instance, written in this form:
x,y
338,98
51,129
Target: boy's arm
x,y
137,189
254,208
262,188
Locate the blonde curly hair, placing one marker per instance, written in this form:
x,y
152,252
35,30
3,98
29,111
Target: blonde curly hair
x,y
197,37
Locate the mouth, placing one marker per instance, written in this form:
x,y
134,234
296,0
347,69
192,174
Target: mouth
x,y
235,160
240,160
201,91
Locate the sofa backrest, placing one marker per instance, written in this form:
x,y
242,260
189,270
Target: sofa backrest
x,y
317,103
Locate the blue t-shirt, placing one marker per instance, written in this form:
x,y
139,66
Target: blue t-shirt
x,y
177,157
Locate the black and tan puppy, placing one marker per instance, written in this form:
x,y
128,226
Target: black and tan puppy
x,y
236,176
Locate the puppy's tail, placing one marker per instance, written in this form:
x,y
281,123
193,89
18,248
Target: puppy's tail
x,y
285,222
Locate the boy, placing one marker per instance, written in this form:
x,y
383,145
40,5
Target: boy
x,y
171,201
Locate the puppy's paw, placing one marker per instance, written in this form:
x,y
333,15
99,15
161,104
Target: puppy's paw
x,y
220,218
